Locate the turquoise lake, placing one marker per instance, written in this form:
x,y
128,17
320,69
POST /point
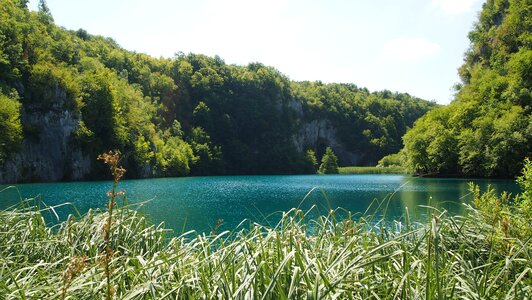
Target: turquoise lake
x,y
199,202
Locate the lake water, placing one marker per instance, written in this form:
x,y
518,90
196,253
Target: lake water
x,y
198,202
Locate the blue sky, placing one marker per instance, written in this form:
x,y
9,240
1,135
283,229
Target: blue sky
x,y
412,46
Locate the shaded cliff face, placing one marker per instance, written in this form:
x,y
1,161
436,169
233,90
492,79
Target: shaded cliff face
x,y
318,134
49,152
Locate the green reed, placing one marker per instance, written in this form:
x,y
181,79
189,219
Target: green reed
x,y
450,257
371,170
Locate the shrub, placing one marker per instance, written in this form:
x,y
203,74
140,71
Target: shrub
x,y
329,163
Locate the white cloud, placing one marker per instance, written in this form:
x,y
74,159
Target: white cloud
x,y
410,48
452,7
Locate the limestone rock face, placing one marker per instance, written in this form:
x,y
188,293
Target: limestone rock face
x,y
317,134
49,153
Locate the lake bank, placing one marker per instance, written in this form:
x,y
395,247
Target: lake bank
x,y
361,170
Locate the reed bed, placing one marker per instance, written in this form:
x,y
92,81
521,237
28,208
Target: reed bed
x,y
371,170
323,258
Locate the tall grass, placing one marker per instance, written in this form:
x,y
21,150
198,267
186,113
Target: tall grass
x,y
450,257
328,257
372,170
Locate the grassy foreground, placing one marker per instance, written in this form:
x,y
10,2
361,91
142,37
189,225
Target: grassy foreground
x,y
449,257
371,170
118,254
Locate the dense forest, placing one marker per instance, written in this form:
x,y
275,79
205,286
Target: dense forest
x,y
487,130
66,96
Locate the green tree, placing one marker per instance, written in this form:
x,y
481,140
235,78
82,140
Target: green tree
x,y
175,157
10,126
190,114
392,160
487,129
208,156
311,162
100,108
329,163
44,13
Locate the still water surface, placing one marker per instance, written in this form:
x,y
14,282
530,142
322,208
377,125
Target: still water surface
x,y
198,202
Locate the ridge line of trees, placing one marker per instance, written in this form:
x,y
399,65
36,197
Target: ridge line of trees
x,y
190,114
486,131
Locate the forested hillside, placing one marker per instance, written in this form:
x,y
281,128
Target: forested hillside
x,y
487,130
66,96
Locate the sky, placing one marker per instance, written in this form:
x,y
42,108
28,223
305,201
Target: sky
x,y
412,46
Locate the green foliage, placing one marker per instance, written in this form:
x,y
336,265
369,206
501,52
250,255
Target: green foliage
x,y
431,146
232,119
100,108
329,163
10,126
13,29
208,157
372,170
83,134
143,153
487,129
392,160
510,216
380,118
45,15
174,157
53,86
311,161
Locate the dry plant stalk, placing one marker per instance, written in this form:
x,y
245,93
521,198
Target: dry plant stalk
x,y
112,158
74,267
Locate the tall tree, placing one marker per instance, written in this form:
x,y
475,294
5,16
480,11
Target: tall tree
x,y
329,163
45,15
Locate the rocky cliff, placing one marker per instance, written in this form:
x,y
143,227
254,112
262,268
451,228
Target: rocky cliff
x,y
319,134
49,152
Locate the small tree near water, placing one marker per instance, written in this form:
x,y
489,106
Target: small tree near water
x,y
329,163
